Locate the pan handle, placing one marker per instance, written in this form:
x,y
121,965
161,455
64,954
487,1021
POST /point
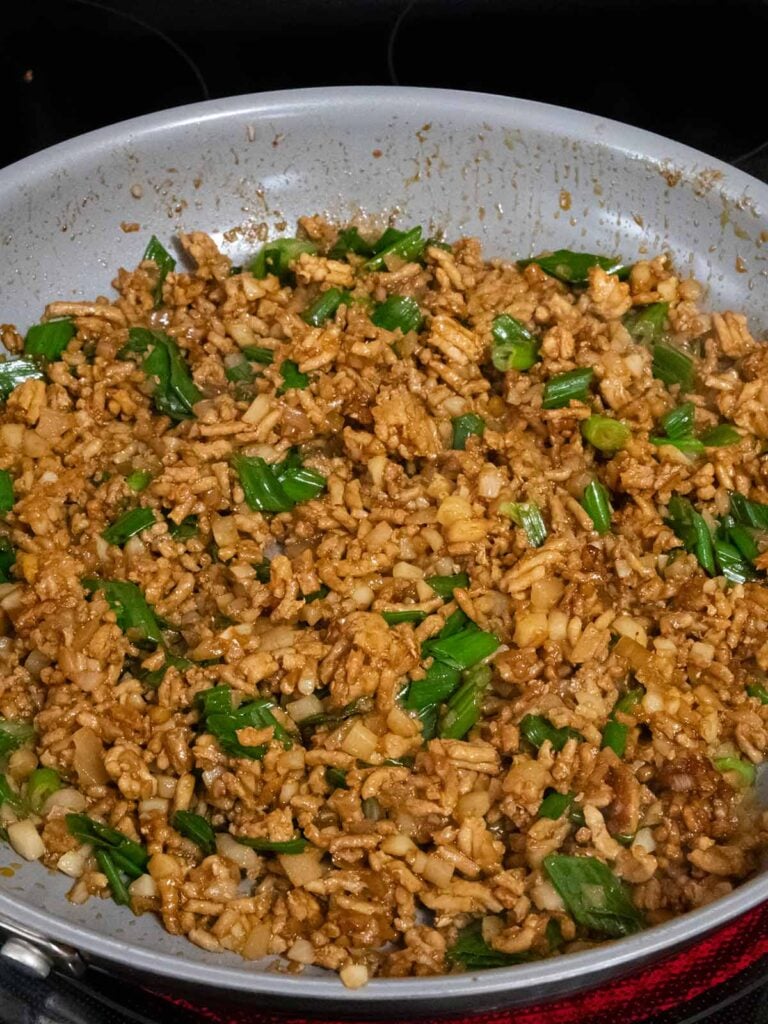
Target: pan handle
x,y
37,954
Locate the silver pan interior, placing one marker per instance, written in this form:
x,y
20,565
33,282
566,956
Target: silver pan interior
x,y
498,168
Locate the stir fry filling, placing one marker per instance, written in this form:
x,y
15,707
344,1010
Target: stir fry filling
x,y
381,608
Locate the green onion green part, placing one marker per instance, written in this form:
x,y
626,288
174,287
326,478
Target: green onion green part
x,y
197,828
14,372
164,262
561,390
574,267
398,312
527,515
513,347
646,326
536,729
48,340
175,392
444,586
605,433
134,616
133,521
597,504
6,491
292,377
671,366
278,256
593,895
464,427
325,306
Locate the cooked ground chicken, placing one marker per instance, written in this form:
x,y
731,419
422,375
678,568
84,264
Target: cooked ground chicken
x,y
633,667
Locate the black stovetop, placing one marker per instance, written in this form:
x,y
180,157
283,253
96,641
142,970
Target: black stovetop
x,y
689,69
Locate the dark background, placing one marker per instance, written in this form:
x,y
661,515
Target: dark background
x,y
693,70
689,69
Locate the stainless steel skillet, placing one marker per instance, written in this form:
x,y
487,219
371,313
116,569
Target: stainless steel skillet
x,y
524,177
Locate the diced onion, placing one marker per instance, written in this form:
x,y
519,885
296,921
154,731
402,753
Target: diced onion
x,y
304,707
25,840
72,862
145,886
359,741
637,656
66,799
302,868
257,943
245,858
88,761
438,871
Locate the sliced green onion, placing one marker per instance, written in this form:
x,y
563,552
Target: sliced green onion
x,y
536,729
296,845
474,954
95,833
49,340
187,528
749,513
302,484
336,777
9,796
134,616
349,240
465,648
139,480
554,805
317,595
444,586
573,267
437,686
594,896
14,372
741,537
687,445
133,521
466,426
292,377
116,884
175,392
561,390
464,706
605,433
672,366
223,721
404,615
647,326
720,436
732,564
553,934
277,257
615,736
14,734
513,346
7,559
758,691
40,785
276,488
255,354
262,489
407,245
153,679
325,306
597,504
197,828
164,262
239,372
398,312
6,491
372,809
691,528
679,422
745,769
528,517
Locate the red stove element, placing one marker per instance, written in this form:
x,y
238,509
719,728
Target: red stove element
x,y
663,986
